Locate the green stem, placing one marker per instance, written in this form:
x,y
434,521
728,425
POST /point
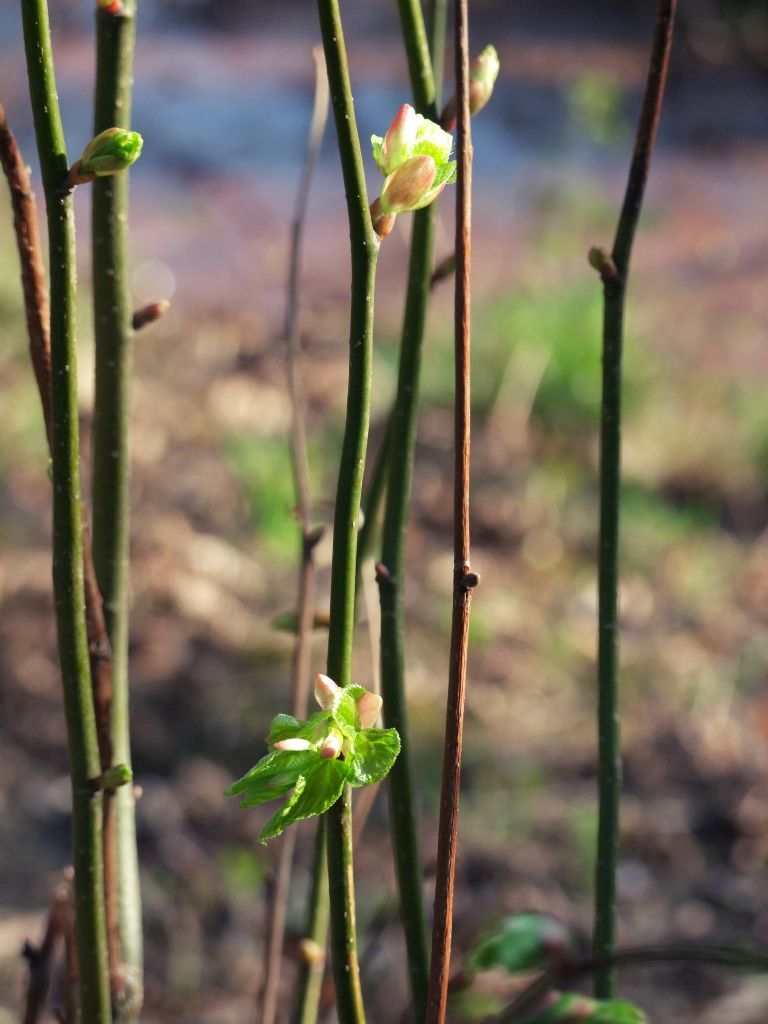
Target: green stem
x,y
402,439
614,272
114,341
93,982
349,996
372,500
313,965
403,816
364,252
438,15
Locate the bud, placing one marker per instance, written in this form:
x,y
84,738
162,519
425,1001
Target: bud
x,y
522,942
109,6
382,222
415,157
326,691
482,78
110,152
406,187
398,142
331,745
149,313
368,708
294,743
409,135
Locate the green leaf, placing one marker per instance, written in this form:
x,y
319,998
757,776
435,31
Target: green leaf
x,y
575,1009
521,942
273,776
286,727
315,792
374,753
344,708
445,174
377,142
617,1011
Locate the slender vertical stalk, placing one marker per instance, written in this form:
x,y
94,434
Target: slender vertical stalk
x,y
38,330
273,954
437,17
67,537
364,252
402,439
464,580
614,272
315,936
113,330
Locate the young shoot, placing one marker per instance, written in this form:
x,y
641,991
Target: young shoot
x,y
311,760
414,157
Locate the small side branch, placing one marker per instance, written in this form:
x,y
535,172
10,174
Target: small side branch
x,y
30,258
41,958
273,954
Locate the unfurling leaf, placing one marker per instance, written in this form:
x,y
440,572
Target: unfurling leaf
x,y
576,1009
315,792
522,942
311,760
374,754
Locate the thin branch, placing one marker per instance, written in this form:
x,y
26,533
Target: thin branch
x,y
614,273
113,334
464,580
30,258
38,330
364,252
391,574
273,955
41,958
69,591
569,971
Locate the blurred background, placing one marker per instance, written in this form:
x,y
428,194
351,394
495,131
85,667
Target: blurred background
x,y
223,99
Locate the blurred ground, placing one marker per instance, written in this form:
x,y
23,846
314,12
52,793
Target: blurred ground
x,y
223,114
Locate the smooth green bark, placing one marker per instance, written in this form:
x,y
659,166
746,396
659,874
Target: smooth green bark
x,y
113,332
90,928
364,248
402,440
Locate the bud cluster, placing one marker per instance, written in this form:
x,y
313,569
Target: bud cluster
x,y
414,157
415,154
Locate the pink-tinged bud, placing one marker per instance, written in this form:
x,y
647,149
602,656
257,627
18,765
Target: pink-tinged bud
x,y
382,222
149,313
331,745
483,73
406,187
326,691
368,708
400,135
295,743
398,140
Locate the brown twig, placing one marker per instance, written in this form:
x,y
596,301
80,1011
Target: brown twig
x,y
464,580
569,971
41,958
273,955
38,330
30,258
